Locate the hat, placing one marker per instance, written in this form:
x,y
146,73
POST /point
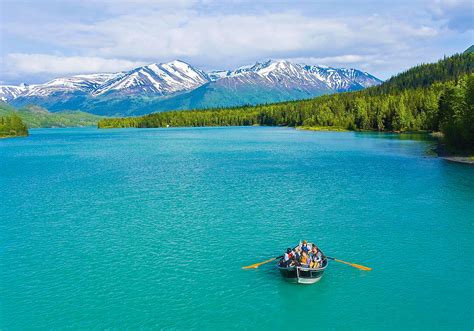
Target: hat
x,y
304,241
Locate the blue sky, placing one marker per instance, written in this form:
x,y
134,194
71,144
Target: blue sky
x,y
41,40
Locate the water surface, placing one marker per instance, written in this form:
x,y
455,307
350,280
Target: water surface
x,y
150,228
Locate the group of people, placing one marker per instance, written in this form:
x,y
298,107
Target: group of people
x,y
304,255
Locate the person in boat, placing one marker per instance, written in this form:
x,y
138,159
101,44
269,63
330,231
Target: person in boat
x,y
305,247
288,257
316,257
315,262
305,260
298,252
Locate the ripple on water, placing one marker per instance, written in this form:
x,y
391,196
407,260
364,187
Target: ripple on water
x,y
150,229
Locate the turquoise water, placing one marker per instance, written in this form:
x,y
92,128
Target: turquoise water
x,y
150,228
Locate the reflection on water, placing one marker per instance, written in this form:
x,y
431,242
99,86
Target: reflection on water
x,y
417,136
425,137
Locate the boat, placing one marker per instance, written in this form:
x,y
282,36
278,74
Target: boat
x,y
303,275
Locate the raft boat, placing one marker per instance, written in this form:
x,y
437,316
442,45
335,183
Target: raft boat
x,y
303,275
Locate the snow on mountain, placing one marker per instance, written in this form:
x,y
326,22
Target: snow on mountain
x,y
363,78
10,92
343,79
288,74
218,74
158,79
78,83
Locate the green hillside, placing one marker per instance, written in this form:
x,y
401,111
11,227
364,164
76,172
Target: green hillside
x,y
424,75
37,117
432,97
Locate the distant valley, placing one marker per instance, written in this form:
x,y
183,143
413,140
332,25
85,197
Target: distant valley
x,y
177,85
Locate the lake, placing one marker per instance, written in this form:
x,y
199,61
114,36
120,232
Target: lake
x,y
149,228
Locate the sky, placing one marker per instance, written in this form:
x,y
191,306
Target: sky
x,y
45,39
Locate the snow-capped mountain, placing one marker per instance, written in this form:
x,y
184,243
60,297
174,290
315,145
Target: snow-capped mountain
x,y
154,79
77,83
186,87
158,79
291,74
9,92
281,74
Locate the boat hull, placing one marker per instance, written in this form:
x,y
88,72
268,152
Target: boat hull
x,y
301,275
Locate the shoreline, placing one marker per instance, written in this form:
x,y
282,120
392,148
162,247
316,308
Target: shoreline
x,y
460,158
469,160
342,129
322,128
13,136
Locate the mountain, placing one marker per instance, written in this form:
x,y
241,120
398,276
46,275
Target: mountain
x,y
178,85
155,79
290,76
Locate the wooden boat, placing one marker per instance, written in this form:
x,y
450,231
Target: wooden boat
x,y
303,275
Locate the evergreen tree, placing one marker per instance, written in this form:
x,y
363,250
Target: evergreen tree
x,y
12,126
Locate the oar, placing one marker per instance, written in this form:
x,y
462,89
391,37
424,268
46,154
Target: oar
x,y
358,266
256,265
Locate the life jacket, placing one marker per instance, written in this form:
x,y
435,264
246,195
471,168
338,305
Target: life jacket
x,y
304,260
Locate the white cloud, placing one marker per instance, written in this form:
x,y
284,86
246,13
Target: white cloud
x,y
51,64
167,35
348,59
235,35
456,14
131,34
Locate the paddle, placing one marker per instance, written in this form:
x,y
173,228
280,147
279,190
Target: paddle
x,y
256,265
358,266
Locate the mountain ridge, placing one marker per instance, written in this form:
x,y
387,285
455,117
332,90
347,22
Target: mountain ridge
x,y
178,85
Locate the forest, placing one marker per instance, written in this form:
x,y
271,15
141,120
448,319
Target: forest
x,y
432,97
12,126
